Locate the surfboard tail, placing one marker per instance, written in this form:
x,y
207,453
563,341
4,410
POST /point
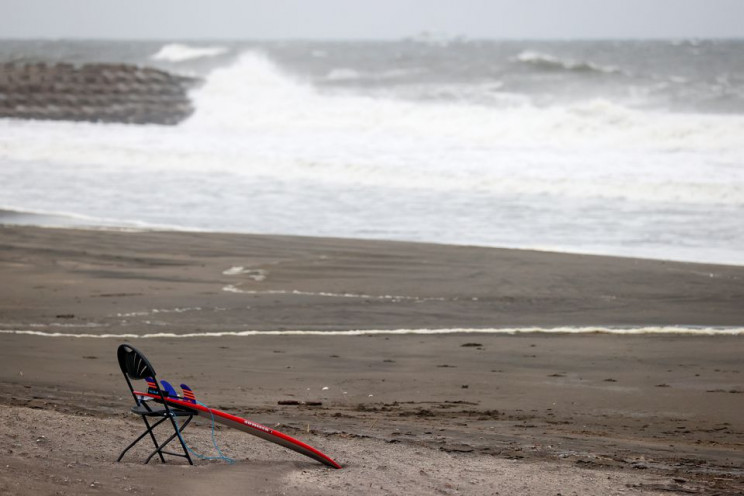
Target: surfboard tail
x,y
273,436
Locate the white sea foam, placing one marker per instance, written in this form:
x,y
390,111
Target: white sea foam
x,y
254,120
267,152
254,94
234,289
649,330
176,310
159,310
177,52
255,274
347,74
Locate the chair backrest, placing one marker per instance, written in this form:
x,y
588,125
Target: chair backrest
x,y
133,363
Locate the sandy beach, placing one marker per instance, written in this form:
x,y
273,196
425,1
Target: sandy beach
x,y
404,413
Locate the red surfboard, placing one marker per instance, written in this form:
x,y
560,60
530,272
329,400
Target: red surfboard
x,y
250,427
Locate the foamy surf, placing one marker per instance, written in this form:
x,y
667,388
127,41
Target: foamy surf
x,y
623,331
177,52
233,289
533,145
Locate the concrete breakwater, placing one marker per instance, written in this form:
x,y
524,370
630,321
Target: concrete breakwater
x,y
94,92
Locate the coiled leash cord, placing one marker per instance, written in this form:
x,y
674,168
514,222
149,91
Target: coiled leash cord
x,y
214,442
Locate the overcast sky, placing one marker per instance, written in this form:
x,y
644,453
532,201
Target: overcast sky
x,y
370,19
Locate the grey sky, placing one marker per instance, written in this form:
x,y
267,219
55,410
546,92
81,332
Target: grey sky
x,y
370,19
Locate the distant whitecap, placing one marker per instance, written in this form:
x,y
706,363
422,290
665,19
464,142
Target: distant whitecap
x,y
176,52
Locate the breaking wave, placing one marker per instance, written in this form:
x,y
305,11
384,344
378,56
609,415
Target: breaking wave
x,y
549,62
305,160
255,94
176,52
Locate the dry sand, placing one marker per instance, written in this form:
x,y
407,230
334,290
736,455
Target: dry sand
x,y
405,414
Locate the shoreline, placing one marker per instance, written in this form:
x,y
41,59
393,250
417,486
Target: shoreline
x,y
449,413
12,217
625,331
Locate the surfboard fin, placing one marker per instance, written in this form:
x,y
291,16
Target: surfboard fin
x,y
169,390
152,386
188,394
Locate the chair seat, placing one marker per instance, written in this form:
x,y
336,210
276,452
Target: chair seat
x,y
159,412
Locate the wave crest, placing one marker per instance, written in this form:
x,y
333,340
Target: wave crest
x,y
549,62
177,52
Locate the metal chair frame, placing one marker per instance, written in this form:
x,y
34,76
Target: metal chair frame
x,y
135,366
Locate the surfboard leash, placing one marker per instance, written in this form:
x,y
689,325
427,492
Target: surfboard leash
x,y
221,456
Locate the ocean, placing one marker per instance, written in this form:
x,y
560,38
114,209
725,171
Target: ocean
x,y
628,148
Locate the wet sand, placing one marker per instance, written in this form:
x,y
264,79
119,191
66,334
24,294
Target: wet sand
x,y
414,414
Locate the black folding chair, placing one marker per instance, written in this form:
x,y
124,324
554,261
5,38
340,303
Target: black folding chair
x,y
135,366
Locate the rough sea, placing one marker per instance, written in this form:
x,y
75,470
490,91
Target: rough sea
x,y
630,148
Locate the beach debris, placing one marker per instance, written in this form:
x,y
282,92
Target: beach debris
x,y
324,388
470,345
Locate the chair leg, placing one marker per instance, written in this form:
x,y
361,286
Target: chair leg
x,y
180,438
159,449
147,431
152,434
